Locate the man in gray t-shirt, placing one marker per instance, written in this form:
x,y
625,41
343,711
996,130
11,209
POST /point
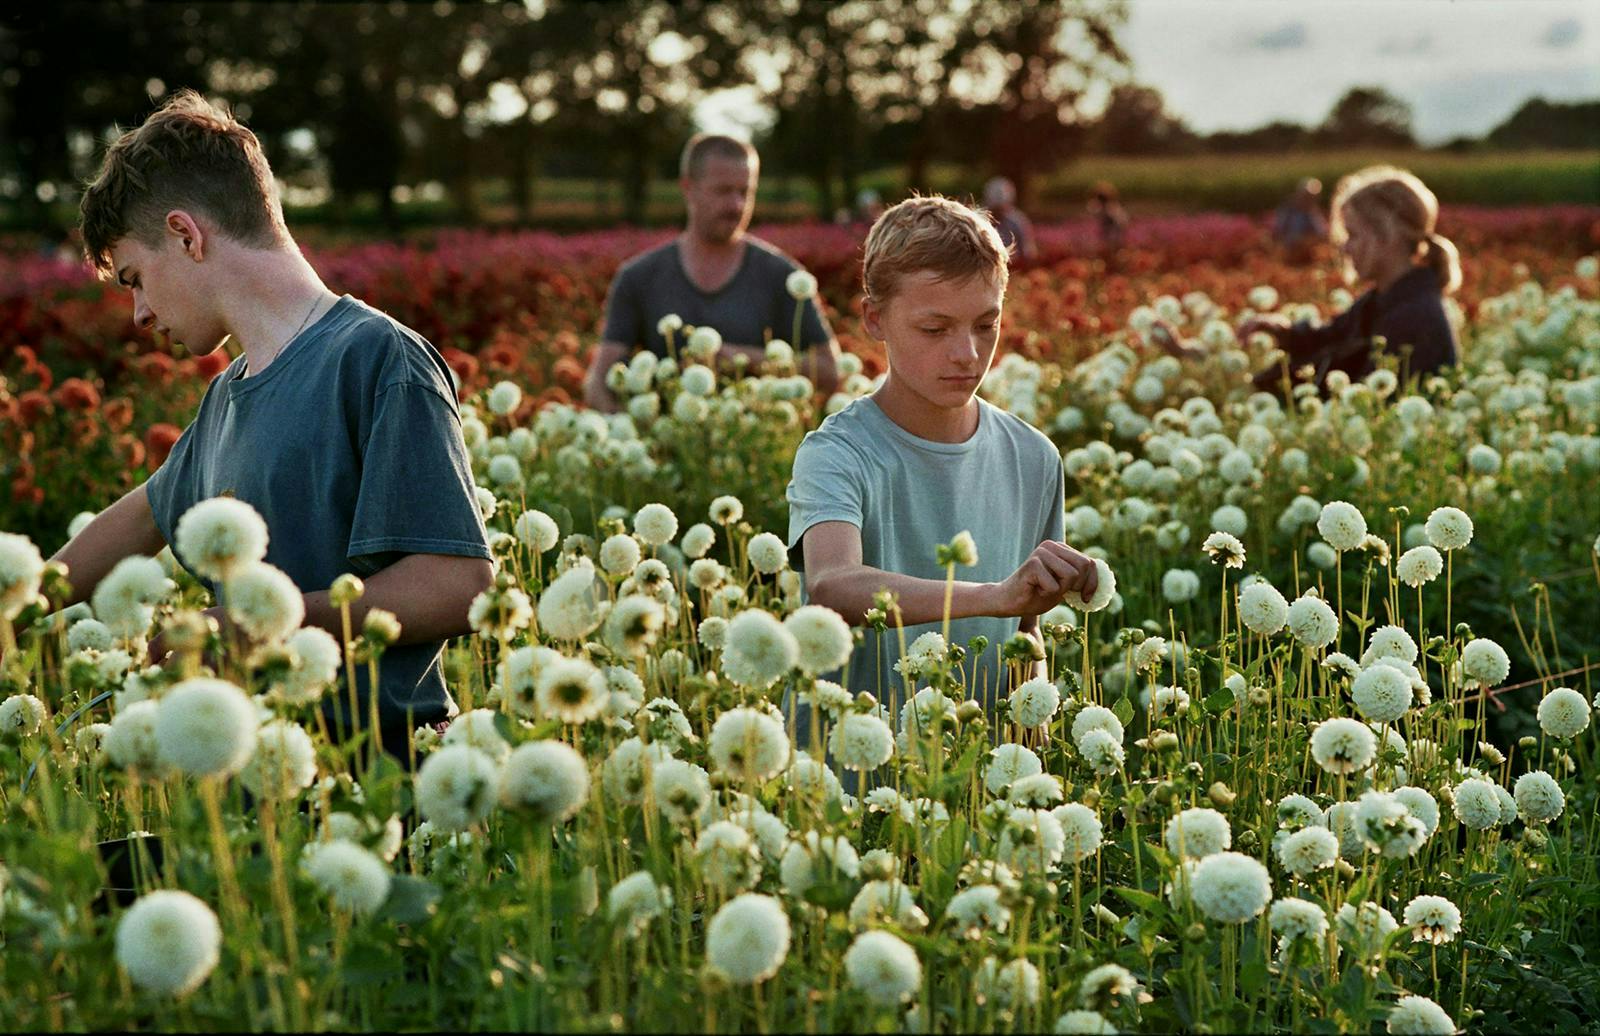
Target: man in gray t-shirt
x,y
713,275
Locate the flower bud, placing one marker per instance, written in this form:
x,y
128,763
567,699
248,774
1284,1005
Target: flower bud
x,y
1164,741
968,711
1221,795
1195,933
187,631
347,589
381,627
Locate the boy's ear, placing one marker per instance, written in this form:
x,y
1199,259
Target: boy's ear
x,y
872,318
184,228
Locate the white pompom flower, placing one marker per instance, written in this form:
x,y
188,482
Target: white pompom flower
x,y
126,598
1419,566
1312,622
635,901
823,637
1262,608
747,940
1343,745
264,602
571,690
800,285
22,714
168,942
1539,798
569,608
1104,590
1419,1016
1382,694
206,727
351,875
1432,919
883,968
456,787
1563,713
758,649
284,763
21,570
655,524
220,536
1230,887
546,780
1035,703
748,743
861,741
1342,524
1198,832
1484,663
1448,528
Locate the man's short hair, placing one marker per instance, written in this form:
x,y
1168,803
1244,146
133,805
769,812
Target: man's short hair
x,y
190,154
931,233
704,146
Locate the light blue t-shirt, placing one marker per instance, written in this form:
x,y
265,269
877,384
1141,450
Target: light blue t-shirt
x,y
907,495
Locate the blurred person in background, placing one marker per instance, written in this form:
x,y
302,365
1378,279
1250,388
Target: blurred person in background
x,y
1298,224
1384,224
1016,229
715,275
1110,219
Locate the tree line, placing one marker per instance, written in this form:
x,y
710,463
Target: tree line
x,y
375,95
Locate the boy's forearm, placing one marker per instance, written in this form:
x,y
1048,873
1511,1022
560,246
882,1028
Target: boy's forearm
x,y
430,600
122,530
849,592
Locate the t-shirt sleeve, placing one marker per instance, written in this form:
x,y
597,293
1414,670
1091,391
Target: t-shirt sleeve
x,y
170,488
1055,515
826,486
624,309
416,494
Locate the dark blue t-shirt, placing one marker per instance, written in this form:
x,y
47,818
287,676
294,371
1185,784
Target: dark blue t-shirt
x,y
349,445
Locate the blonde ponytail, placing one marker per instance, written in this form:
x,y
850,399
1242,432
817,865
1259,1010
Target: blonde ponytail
x,y
1442,258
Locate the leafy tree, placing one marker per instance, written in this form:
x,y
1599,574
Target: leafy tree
x,y
1368,116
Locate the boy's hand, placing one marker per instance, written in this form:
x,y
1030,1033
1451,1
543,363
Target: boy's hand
x,y
1050,573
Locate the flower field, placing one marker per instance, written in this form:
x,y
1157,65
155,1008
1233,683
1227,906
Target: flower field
x,y
1317,757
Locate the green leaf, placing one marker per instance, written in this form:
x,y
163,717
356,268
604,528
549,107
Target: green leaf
x,y
411,900
1123,710
1219,702
1141,900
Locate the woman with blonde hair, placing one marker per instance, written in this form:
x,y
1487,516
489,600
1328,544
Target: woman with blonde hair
x,y
1384,223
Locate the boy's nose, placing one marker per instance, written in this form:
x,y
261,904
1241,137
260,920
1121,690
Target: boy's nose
x,y
143,316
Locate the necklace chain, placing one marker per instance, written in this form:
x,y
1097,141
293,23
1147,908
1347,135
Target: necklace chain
x,y
314,304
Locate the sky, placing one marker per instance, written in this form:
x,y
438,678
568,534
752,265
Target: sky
x,y
1462,65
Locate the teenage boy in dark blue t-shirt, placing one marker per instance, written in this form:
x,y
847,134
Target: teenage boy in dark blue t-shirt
x,y
338,424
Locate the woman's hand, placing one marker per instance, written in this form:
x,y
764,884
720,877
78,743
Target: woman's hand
x,y
1271,323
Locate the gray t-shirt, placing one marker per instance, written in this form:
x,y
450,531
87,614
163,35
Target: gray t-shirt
x,y
907,495
349,445
752,307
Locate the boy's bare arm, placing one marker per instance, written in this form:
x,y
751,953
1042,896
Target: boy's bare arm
x,y
428,593
125,528
836,578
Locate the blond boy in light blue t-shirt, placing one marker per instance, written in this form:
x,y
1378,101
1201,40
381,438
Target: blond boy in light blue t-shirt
x,y
881,484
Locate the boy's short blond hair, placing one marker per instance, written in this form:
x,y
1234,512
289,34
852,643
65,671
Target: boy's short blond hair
x,y
931,233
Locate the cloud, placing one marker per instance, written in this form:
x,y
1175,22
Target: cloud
x,y
1561,34
1290,36
1422,43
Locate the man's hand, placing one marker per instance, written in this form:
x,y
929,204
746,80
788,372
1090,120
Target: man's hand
x,y
597,395
1051,572
1168,337
1271,323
